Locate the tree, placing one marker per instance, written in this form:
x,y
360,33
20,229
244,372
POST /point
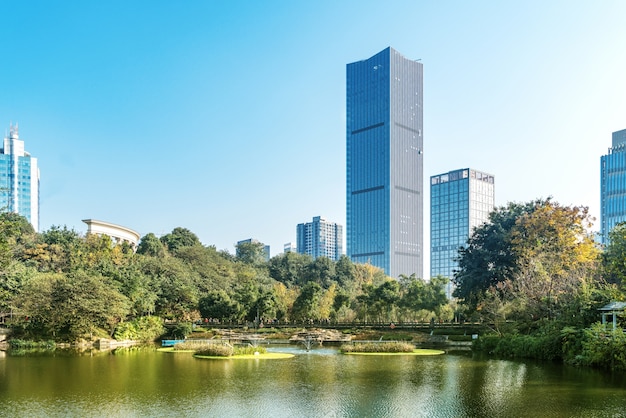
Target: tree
x,y
489,257
289,268
538,255
321,271
151,245
251,252
555,254
614,256
73,306
345,271
217,304
306,306
179,238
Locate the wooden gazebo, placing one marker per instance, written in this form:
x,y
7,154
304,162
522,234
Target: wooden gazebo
x,y
612,308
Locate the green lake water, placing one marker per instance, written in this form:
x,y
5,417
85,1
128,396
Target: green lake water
x,y
319,383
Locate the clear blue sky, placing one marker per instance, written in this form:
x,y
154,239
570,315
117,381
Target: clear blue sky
x,y
228,118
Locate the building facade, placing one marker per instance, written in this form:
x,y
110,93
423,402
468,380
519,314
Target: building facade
x,y
460,201
19,179
320,238
613,185
118,234
384,130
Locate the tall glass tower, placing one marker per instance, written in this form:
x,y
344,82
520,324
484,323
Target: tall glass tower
x,y
384,124
460,201
613,186
19,179
320,238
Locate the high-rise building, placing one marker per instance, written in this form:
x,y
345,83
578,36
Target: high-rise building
x,y
19,179
613,185
460,201
320,238
384,124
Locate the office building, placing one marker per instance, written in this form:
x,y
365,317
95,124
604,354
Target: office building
x,y
19,179
613,186
460,201
384,131
289,247
320,238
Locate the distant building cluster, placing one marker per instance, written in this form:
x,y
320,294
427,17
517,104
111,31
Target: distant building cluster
x,y
384,182
19,179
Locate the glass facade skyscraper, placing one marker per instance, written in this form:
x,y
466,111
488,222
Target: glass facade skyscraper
x,y
19,179
320,238
613,185
384,130
460,201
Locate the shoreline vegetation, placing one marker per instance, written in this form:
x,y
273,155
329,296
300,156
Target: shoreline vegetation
x,y
532,282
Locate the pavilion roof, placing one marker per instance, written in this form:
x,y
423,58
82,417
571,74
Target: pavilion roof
x,y
614,306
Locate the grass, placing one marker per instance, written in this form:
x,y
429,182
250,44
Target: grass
x,y
264,356
378,347
415,352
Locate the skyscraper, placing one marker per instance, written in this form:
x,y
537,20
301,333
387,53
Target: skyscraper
x,y
19,179
320,238
460,201
384,124
613,185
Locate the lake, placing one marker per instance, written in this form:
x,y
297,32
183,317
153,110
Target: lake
x,y
142,382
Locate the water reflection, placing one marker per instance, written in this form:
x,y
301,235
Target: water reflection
x,y
319,383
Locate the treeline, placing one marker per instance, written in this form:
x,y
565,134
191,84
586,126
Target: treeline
x,y
537,276
63,286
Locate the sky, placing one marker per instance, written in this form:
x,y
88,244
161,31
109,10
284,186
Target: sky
x,y
228,117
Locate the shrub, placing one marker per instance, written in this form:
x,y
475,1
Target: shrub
x,y
31,344
604,348
378,347
542,347
220,350
249,350
146,328
182,329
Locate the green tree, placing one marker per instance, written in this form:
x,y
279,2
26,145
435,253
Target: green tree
x,y
289,268
489,257
614,256
306,306
74,306
251,252
217,304
179,238
321,271
151,245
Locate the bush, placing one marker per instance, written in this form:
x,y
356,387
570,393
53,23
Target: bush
x,y
220,350
31,344
382,347
146,328
249,350
542,347
604,348
182,329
